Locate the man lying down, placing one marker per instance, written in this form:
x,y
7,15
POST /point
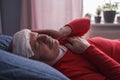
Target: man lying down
x,y
49,46
43,45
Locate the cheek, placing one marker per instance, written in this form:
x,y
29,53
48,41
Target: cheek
x,y
47,57
34,49
35,57
32,38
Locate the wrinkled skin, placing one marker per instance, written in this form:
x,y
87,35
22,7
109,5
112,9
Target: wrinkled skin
x,y
46,48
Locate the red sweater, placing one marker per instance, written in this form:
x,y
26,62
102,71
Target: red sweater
x,y
99,62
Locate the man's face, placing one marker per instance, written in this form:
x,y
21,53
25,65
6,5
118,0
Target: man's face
x,y
45,48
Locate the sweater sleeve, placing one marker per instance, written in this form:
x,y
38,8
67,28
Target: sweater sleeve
x,y
108,66
79,26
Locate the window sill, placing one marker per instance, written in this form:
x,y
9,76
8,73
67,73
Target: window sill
x,y
106,24
106,30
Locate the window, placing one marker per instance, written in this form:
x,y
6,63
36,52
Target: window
x,y
91,5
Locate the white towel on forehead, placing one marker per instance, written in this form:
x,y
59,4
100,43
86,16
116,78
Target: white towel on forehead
x,y
21,43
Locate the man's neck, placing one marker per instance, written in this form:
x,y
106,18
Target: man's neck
x,y
62,51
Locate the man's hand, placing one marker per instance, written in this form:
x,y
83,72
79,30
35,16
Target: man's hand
x,y
77,44
63,32
53,33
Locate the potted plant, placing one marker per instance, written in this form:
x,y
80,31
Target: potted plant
x,y
88,15
118,17
98,15
109,11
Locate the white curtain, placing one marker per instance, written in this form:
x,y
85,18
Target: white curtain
x,y
26,14
49,14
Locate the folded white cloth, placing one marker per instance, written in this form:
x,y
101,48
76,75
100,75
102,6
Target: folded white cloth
x,y
21,43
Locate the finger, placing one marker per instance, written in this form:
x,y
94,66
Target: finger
x,y
71,40
55,47
46,31
49,41
41,31
42,37
68,45
53,33
56,44
34,30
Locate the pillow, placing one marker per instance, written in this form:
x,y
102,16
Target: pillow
x,y
14,67
5,41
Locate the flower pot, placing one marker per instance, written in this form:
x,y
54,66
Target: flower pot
x,y
97,19
109,16
118,19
